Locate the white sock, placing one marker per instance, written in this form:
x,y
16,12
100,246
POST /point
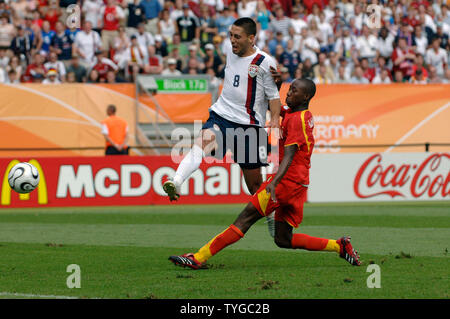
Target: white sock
x,y
190,163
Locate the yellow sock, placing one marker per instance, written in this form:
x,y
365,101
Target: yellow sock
x,y
332,245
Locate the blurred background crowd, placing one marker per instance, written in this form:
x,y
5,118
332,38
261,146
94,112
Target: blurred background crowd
x,y
329,41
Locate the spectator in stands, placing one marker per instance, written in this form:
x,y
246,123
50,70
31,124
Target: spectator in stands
x,y
192,67
136,15
207,26
368,72
14,65
402,58
290,58
4,57
111,15
399,77
309,47
176,43
103,65
91,10
115,132
144,38
155,65
297,22
367,44
307,69
71,78
246,8
224,20
187,26
316,33
13,77
211,60
160,46
21,45
93,77
86,43
61,43
7,31
322,71
419,65
358,77
56,65
382,77
323,75
418,78
171,69
35,71
152,8
196,53
52,77
47,37
285,75
262,16
280,23
433,76
437,56
341,76
76,68
333,62
384,43
136,59
121,44
166,26
344,43
420,40
52,13
278,40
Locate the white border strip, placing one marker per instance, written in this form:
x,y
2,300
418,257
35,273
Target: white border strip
x,y
16,294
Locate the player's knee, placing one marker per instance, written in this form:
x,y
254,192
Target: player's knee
x,y
282,242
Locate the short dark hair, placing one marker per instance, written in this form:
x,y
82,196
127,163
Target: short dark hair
x,y
309,86
111,108
247,24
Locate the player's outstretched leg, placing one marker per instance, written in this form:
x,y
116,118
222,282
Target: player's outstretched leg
x,y
190,163
232,234
285,239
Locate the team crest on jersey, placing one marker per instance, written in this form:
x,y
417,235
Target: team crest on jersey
x,y
253,70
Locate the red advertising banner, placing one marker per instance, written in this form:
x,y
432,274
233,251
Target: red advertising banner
x,y
120,180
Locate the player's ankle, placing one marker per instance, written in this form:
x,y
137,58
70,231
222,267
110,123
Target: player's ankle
x,y
178,180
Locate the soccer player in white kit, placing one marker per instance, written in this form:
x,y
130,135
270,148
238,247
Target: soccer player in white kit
x,y
248,90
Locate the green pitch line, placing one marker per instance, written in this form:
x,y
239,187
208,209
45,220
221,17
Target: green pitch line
x,y
145,272
371,240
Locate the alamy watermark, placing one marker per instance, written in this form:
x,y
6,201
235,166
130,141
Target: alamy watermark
x,y
374,16
74,279
246,144
374,279
74,17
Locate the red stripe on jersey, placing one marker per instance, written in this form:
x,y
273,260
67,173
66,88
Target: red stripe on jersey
x,y
251,90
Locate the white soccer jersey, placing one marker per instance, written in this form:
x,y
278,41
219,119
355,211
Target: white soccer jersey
x,y
248,87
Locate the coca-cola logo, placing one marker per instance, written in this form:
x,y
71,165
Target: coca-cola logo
x,y
428,179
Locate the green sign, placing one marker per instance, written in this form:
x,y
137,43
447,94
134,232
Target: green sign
x,y
180,85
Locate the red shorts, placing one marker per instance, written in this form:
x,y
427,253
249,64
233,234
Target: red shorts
x,y
289,205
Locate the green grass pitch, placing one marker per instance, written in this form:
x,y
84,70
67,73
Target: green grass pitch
x,y
122,253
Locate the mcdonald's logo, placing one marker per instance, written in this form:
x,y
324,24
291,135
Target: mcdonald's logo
x,y
5,199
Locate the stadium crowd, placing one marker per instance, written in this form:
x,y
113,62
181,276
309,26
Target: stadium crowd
x,y
329,41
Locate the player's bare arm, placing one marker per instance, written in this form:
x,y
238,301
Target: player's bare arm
x,y
275,109
289,152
